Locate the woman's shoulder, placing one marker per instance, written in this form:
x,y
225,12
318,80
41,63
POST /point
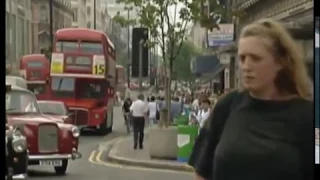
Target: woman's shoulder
x,y
229,98
301,113
303,106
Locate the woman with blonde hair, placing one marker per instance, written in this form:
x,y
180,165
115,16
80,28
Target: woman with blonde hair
x,y
266,130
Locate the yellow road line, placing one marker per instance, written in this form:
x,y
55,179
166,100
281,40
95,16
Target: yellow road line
x,y
95,158
98,160
91,157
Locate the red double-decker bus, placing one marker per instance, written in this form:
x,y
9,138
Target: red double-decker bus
x,y
35,69
83,74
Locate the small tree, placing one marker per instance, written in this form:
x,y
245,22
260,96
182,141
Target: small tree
x,y
47,52
181,65
167,29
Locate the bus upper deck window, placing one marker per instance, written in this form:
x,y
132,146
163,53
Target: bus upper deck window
x,y
91,47
67,46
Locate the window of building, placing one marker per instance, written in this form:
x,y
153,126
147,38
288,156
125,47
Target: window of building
x,y
12,39
7,27
62,19
20,42
75,14
44,14
88,10
27,37
88,24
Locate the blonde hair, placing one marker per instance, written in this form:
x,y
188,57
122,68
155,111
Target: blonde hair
x,y
293,78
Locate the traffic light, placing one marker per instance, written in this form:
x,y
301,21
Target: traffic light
x,y
139,34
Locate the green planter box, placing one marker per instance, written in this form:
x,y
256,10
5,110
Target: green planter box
x,y
185,141
181,120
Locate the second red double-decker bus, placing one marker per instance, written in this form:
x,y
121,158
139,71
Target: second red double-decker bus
x,y
35,69
83,73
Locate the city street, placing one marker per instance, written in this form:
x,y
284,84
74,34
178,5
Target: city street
x,y
89,166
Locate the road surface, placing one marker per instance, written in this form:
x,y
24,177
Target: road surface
x,y
89,168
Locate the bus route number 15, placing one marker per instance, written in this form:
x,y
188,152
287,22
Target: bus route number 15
x,y
99,69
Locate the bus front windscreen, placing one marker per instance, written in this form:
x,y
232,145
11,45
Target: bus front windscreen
x,y
63,87
91,89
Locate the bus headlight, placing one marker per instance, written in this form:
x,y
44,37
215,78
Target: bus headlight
x,y
97,116
75,131
19,144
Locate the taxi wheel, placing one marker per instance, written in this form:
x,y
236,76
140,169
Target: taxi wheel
x,y
110,128
103,129
61,170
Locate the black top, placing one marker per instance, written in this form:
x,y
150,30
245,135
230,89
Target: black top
x,y
261,140
126,106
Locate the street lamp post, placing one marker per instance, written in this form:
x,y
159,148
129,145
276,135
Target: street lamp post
x,y
51,21
94,14
128,45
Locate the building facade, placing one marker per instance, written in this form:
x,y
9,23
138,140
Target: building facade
x,y
197,36
18,30
79,13
92,8
296,14
114,9
62,18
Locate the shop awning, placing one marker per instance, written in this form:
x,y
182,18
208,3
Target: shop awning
x,y
211,74
201,65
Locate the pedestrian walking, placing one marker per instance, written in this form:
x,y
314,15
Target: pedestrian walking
x,y
153,108
203,113
126,113
266,130
139,110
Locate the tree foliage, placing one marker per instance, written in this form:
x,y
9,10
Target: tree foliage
x,y
47,52
181,65
168,29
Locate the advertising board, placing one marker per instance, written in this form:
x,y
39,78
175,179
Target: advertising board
x,y
222,36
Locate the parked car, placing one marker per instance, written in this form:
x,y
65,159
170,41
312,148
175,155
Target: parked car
x,y
57,110
16,152
50,142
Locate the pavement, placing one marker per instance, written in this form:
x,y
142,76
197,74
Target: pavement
x,y
94,164
122,152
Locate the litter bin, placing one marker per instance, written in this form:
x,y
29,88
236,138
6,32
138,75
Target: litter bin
x,y
185,141
181,120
